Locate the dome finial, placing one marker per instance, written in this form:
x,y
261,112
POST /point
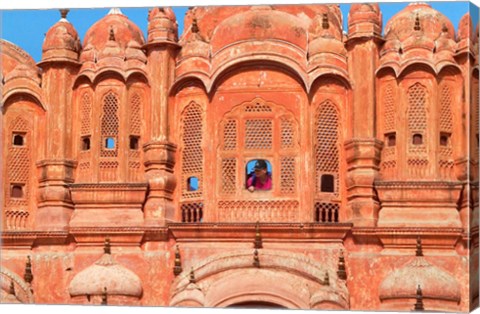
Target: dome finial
x,y
417,23
177,269
115,11
419,251
28,271
64,13
258,237
104,296
111,35
444,28
12,288
342,274
191,278
256,260
419,297
325,23
195,26
107,247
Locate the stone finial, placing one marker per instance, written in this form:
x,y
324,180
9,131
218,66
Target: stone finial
x,y
419,251
417,23
177,269
194,26
12,288
342,274
111,35
64,13
419,297
107,247
104,296
444,28
258,237
325,23
256,260
326,279
28,271
192,279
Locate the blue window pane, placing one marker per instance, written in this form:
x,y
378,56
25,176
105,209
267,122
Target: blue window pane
x,y
110,143
192,184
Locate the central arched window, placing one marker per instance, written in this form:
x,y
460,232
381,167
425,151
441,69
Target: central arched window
x,y
253,132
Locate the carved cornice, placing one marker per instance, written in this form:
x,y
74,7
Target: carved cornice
x,y
418,184
109,186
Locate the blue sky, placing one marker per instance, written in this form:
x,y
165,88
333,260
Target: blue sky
x,y
26,28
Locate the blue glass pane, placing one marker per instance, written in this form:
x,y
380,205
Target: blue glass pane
x,y
192,184
110,143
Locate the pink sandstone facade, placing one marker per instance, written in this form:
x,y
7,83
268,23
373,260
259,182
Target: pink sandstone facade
x,y
125,161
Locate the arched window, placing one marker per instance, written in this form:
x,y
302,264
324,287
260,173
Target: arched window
x,y
109,126
16,191
18,139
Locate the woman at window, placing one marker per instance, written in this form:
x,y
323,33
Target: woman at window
x,y
261,179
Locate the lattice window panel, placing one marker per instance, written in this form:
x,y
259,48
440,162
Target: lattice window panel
x,y
258,134
326,212
258,107
86,115
19,162
445,110
230,135
192,153
287,175
417,113
287,133
229,175
389,103
110,124
326,141
192,212
135,115
253,211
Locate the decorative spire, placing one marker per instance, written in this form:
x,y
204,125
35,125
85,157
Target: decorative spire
x,y
444,28
419,251
178,262
326,279
342,274
258,237
12,288
115,11
112,34
256,260
192,276
417,24
194,26
28,271
107,248
419,297
104,296
325,23
64,13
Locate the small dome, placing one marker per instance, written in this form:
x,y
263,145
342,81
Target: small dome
x,y
325,25
106,273
465,28
430,22
364,18
445,43
326,45
162,25
418,40
61,41
23,71
134,51
124,31
435,283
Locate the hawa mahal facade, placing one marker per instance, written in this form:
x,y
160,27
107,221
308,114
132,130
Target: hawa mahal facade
x,y
125,161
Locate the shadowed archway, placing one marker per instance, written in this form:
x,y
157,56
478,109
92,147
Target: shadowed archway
x,y
256,305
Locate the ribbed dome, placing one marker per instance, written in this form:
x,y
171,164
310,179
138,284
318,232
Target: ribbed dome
x,y
162,25
435,283
124,31
261,23
106,273
364,18
61,41
430,20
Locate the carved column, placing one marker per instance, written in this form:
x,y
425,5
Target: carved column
x,y
363,150
159,157
60,65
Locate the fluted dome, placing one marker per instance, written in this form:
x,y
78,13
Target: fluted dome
x,y
434,282
61,42
106,273
124,31
261,23
162,25
364,19
431,22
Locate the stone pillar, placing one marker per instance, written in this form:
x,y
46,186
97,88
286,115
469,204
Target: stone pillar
x,y
159,157
60,65
362,150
